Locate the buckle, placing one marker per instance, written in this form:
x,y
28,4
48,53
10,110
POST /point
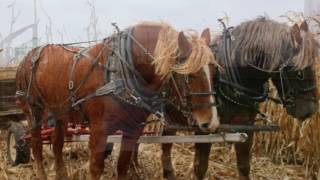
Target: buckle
x,y
71,85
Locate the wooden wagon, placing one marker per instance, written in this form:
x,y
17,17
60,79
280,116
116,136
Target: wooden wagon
x,y
11,118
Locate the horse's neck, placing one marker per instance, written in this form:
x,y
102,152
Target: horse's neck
x,y
249,77
98,51
147,37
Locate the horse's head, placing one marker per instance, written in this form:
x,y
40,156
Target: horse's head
x,y
296,82
197,88
180,59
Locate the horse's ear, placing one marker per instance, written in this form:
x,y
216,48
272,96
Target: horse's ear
x,y
304,26
184,45
206,36
295,35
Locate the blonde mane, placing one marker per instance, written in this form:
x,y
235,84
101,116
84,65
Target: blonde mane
x,y
166,53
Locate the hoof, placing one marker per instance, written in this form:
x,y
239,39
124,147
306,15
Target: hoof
x,y
241,177
61,173
62,177
169,175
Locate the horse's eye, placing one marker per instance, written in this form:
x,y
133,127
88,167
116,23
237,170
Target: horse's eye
x,y
300,75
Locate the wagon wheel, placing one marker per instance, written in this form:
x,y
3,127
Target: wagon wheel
x,y
18,150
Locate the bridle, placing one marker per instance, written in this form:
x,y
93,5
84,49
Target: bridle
x,y
184,94
287,99
293,91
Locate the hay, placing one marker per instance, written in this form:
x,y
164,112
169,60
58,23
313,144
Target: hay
x,y
222,164
295,143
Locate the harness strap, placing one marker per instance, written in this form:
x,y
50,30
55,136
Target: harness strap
x,y
177,89
227,43
77,57
34,61
263,116
260,96
107,89
68,49
134,91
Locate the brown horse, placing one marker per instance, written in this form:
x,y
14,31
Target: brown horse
x,y
69,84
260,50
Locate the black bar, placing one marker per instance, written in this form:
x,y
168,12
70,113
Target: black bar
x,y
229,128
201,93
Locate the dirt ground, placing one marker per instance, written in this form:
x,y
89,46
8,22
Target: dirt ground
x,y
222,164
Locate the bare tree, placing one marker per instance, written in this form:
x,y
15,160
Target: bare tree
x,y
61,36
49,27
312,10
14,16
93,21
35,27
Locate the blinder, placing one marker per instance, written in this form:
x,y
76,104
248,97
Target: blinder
x,y
286,75
300,75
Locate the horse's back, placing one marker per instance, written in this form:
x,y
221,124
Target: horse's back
x,y
50,67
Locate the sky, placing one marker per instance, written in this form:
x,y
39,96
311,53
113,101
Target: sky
x,y
71,17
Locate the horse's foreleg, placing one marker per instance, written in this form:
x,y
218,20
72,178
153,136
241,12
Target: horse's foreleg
x,y
58,141
36,142
109,149
202,151
168,171
135,154
98,143
244,157
128,146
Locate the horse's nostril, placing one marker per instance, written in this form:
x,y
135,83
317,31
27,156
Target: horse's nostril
x,y
307,115
205,125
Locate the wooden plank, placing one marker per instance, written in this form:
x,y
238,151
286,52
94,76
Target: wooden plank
x,y
11,112
212,138
7,96
8,73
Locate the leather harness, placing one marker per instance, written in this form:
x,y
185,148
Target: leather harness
x,y
121,78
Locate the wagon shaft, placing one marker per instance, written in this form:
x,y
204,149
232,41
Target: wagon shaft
x,y
212,138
